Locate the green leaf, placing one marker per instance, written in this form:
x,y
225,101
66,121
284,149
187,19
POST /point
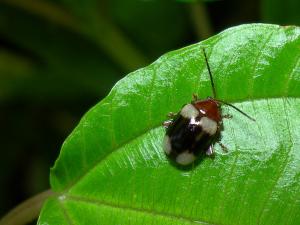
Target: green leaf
x,y
112,169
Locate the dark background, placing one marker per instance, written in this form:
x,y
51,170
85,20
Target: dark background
x,y
60,57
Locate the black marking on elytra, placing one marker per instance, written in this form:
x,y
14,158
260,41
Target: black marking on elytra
x,y
183,136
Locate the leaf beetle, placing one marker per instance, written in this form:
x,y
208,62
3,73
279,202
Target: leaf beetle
x,y
196,127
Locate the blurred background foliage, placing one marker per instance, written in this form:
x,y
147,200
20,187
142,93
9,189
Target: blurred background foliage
x,y
60,57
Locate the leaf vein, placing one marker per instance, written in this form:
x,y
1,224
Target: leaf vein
x,y
138,210
65,213
289,149
256,62
287,84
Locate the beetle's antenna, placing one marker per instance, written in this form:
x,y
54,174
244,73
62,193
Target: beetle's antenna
x,y
210,74
237,109
214,90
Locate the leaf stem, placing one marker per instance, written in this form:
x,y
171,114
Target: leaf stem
x,y
26,211
200,19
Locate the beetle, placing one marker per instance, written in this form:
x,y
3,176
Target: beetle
x,y
196,127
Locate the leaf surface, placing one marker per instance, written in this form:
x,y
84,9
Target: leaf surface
x,y
112,169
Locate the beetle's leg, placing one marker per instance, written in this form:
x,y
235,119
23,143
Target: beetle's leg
x,y
224,148
167,123
219,127
172,115
195,97
227,116
210,151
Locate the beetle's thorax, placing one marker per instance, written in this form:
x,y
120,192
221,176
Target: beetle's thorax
x,y
208,108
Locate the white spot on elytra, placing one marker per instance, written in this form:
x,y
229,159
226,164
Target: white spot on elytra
x,y
189,111
167,145
185,158
208,125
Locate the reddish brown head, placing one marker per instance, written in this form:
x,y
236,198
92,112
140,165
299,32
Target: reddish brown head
x,y
208,108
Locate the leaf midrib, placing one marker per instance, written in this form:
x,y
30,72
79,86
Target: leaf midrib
x,y
130,208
